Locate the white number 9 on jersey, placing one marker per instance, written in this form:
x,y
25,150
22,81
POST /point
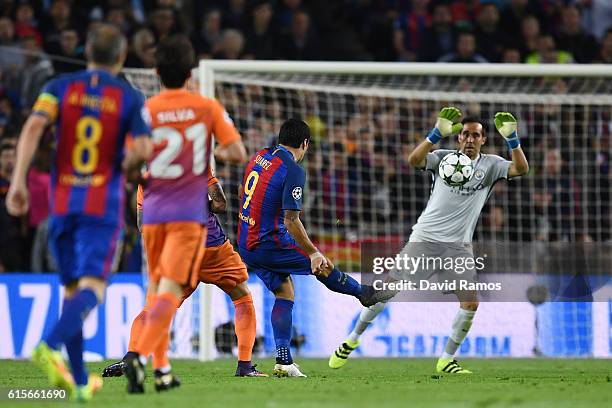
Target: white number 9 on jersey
x,y
162,165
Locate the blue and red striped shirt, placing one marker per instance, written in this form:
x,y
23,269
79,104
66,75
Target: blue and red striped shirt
x,y
273,182
93,111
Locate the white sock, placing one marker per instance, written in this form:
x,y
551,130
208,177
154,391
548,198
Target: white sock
x,y
165,369
368,314
461,325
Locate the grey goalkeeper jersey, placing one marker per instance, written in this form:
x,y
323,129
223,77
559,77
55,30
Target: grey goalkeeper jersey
x,y
452,212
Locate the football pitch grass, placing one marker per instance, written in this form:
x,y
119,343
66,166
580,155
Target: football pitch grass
x,y
361,383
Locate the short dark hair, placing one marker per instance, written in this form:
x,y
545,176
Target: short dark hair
x,y
293,133
474,119
105,45
174,59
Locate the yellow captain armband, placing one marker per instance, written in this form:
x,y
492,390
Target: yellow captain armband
x,y
46,104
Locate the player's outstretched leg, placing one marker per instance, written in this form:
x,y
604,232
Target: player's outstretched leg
x,y
340,282
68,332
162,309
165,379
368,314
459,330
117,369
246,331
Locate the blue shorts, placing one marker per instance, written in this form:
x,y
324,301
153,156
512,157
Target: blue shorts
x,y
273,266
84,245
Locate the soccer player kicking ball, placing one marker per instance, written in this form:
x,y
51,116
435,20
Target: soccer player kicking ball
x,y
222,267
272,240
93,111
450,217
175,198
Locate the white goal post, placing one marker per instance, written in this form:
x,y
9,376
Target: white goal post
x,y
560,107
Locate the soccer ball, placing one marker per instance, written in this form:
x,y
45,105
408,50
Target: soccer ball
x,y
456,169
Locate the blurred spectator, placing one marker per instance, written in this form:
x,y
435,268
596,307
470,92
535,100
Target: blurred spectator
x,y
58,19
285,13
232,45
530,33
514,14
38,186
409,30
12,248
556,200
208,41
259,35
465,50
511,56
7,162
301,43
605,55
440,35
490,38
235,14
70,52
465,11
573,39
118,17
547,53
596,16
11,59
163,22
36,71
142,51
25,23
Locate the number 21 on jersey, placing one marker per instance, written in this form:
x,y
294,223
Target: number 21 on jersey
x,y
162,165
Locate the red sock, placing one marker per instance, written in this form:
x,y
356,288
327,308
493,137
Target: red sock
x,y
246,327
158,321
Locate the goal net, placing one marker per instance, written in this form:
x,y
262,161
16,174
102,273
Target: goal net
x,y
365,119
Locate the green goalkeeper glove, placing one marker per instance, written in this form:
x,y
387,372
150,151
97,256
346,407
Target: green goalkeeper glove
x,y
506,125
446,125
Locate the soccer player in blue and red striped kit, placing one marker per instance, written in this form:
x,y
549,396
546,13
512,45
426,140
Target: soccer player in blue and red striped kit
x,y
92,111
272,240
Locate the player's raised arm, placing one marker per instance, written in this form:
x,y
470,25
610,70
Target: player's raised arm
x,y
446,125
44,112
230,148
17,200
506,125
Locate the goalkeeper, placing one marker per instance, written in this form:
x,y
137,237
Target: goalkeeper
x,y
446,225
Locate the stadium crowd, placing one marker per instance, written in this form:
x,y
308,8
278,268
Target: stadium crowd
x,y
43,38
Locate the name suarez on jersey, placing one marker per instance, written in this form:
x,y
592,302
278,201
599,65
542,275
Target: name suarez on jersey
x,y
263,162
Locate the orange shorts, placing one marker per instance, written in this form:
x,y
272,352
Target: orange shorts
x,y
222,267
175,251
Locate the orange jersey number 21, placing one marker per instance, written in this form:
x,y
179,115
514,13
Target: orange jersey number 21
x,y
162,166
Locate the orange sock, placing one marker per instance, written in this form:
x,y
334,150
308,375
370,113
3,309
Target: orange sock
x,y
160,354
246,327
158,321
136,331
138,324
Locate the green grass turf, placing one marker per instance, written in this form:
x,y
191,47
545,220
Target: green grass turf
x,y
362,382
